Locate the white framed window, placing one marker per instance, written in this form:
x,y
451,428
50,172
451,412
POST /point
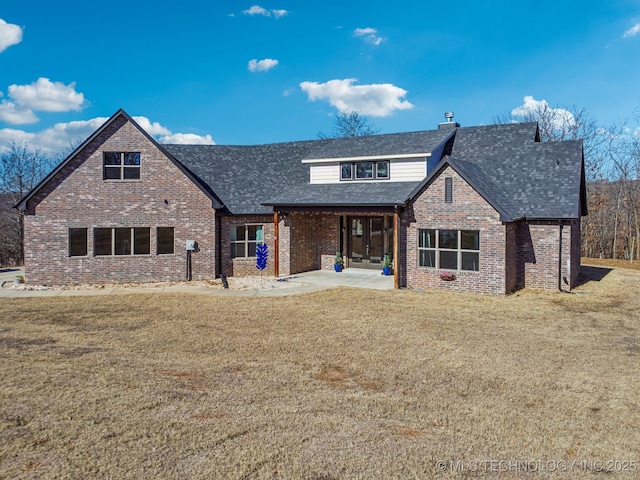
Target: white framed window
x,y
449,249
364,170
245,239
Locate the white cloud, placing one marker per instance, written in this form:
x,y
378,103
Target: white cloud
x,y
262,65
632,31
62,136
188,139
9,35
376,100
559,117
258,10
10,135
42,95
154,129
369,34
47,96
11,113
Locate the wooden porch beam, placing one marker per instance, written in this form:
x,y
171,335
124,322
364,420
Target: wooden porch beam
x,y
396,249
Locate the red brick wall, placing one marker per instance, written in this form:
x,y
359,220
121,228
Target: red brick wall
x,y
314,241
513,281
468,211
537,254
245,266
78,197
576,250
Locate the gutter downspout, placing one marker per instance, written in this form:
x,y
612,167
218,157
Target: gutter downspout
x,y
276,245
560,258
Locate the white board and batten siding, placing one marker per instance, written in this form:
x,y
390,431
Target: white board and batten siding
x,y
400,170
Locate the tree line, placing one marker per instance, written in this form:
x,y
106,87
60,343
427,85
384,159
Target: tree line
x,y
612,170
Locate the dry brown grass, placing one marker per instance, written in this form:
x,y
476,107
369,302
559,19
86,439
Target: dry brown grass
x,y
608,262
345,383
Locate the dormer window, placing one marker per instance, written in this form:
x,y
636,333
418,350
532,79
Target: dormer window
x,y
365,170
121,166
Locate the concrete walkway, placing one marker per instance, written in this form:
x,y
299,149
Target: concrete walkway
x,y
299,283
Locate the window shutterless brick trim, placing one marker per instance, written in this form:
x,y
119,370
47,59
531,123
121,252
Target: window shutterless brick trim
x,y
121,165
448,189
121,241
165,240
78,244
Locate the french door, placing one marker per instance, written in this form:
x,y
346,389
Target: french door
x,y
366,242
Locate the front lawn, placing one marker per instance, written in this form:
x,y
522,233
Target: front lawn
x,y
346,383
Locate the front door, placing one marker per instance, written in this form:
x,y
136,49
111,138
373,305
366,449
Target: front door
x,y
366,242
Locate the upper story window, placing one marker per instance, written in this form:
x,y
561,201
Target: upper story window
x,y
365,170
121,166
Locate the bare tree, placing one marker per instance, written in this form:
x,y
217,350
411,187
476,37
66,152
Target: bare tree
x,y
350,124
21,168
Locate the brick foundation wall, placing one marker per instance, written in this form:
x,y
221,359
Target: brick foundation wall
x,y
78,197
468,211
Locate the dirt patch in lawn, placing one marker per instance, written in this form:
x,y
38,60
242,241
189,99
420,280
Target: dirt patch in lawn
x,y
345,383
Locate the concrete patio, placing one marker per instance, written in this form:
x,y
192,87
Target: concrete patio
x,y
299,283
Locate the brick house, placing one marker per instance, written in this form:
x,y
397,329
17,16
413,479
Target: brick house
x,y
491,206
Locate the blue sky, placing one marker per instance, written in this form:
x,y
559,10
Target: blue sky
x,y
241,72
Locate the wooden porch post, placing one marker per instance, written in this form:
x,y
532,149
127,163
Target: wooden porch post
x,y
396,249
276,246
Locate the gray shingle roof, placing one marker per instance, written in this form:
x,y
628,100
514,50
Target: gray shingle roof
x,y
526,178
345,194
244,176
373,145
518,175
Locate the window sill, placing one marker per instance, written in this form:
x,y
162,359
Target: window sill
x,y
442,270
128,180
141,255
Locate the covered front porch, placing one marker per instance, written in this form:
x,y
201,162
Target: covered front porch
x,y
361,220
308,240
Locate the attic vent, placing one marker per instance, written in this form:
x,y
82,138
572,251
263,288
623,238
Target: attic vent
x,y
448,189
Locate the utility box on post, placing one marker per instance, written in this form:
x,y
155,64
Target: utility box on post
x,y
191,245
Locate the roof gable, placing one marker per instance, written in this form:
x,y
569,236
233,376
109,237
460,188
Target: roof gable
x,y
517,174
477,179
119,114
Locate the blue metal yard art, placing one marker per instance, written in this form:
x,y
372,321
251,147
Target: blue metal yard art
x,y
262,253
